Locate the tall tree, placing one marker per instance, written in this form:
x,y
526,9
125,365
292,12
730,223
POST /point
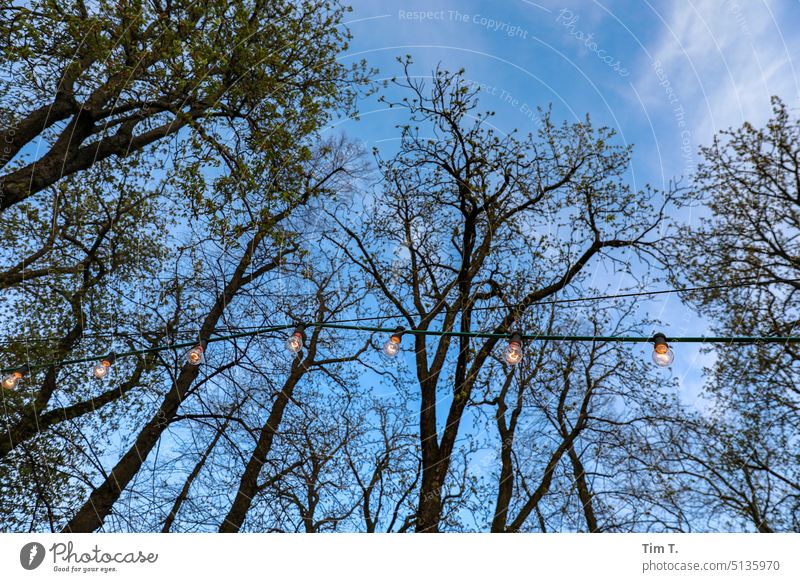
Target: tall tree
x,y
749,179
195,123
475,214
330,301
560,417
261,245
82,82
102,241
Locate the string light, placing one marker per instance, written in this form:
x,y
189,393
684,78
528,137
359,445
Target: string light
x,y
745,282
100,370
196,355
513,351
11,381
198,348
392,346
294,343
663,355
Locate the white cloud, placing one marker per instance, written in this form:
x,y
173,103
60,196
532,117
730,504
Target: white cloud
x,y
724,59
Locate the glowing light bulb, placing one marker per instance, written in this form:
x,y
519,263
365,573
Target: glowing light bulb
x,y
11,381
196,355
100,370
663,355
295,341
513,352
392,346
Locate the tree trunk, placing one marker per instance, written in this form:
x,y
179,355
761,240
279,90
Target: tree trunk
x,y
584,494
248,485
505,488
184,494
429,508
94,512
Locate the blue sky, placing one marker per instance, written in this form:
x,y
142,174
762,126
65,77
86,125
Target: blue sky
x,y
665,75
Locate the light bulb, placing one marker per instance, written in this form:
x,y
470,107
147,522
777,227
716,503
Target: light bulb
x,y
664,359
513,352
295,341
195,356
11,381
392,346
100,370
663,355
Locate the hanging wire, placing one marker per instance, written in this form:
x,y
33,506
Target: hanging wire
x,y
574,338
346,324
176,332
741,283
194,331
431,332
154,349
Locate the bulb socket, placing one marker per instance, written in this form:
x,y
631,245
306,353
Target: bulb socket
x,y
397,335
660,344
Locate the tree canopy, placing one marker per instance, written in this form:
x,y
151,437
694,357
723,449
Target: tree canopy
x,y
170,177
